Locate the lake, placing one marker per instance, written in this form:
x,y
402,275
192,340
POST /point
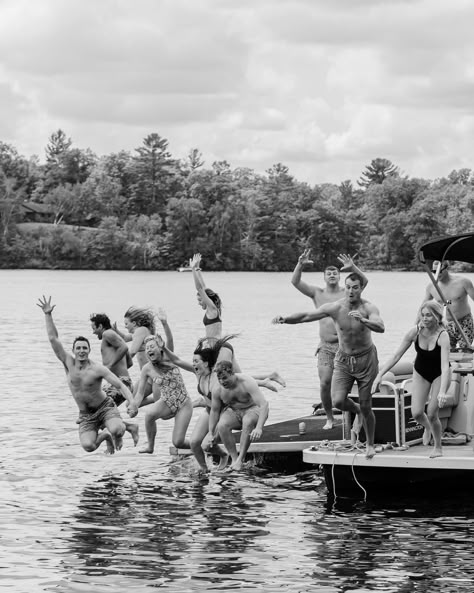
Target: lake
x,y
76,521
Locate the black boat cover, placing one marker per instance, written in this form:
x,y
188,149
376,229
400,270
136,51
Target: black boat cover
x,y
455,248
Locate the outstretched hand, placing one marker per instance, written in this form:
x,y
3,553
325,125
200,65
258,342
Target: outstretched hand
x,y
195,261
278,319
347,262
162,315
304,258
45,304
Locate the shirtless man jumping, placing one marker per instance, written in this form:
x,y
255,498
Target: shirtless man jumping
x,y
456,289
328,340
116,357
237,403
356,358
96,410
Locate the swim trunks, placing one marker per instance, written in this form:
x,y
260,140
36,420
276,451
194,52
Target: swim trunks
x,y
455,337
115,394
173,390
428,362
361,367
326,353
236,415
96,420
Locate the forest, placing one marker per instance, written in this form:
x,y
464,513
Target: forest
x,y
146,210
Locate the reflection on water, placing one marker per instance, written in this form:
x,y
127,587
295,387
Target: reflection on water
x,y
73,521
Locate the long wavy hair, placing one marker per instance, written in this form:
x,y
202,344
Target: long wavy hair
x,y
209,350
142,316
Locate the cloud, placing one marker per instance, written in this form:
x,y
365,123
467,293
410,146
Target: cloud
x,y
322,87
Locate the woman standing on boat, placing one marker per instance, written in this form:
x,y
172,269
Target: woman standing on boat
x,y
431,373
169,393
212,305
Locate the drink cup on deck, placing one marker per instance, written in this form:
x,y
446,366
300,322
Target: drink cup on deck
x,y
302,427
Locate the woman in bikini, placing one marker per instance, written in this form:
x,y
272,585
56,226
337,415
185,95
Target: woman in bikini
x,y
431,373
212,320
204,359
171,400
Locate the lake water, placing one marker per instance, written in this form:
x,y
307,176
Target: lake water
x,y
73,521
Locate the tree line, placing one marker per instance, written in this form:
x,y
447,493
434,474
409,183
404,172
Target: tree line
x,y
148,210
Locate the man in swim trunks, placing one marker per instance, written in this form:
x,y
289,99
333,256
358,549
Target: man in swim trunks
x,y
356,359
237,403
96,410
456,290
116,357
328,341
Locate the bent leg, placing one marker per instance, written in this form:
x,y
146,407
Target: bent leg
x,y
227,422
181,423
249,422
116,427
154,412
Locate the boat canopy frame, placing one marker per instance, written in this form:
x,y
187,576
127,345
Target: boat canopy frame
x,y
452,248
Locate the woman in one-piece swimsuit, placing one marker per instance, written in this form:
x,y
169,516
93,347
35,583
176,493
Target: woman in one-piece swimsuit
x,y
431,372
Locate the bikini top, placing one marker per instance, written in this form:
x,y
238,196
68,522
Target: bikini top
x,y
207,395
209,321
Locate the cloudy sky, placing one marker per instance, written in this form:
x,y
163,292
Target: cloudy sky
x,y
322,86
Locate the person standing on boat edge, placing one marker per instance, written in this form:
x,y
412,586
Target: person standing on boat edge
x,y
431,374
328,340
356,358
212,304
456,289
96,410
115,356
237,403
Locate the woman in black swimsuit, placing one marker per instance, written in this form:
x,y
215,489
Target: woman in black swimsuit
x,y
431,373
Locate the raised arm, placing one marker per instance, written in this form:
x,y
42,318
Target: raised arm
x,y
325,310
392,361
195,263
349,266
124,336
307,289
175,359
166,328
45,305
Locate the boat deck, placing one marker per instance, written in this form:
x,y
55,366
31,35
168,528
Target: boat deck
x,y
455,457
284,437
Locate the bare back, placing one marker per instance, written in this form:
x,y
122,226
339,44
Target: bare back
x,y
110,343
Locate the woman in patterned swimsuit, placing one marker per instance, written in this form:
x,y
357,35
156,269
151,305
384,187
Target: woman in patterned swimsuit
x,y
169,392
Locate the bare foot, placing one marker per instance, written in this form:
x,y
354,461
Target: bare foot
x,y
426,436
147,449
277,378
437,452
356,427
132,428
329,424
110,445
236,466
223,462
370,452
268,384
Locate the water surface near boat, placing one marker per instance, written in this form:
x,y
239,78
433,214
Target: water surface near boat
x,y
73,521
